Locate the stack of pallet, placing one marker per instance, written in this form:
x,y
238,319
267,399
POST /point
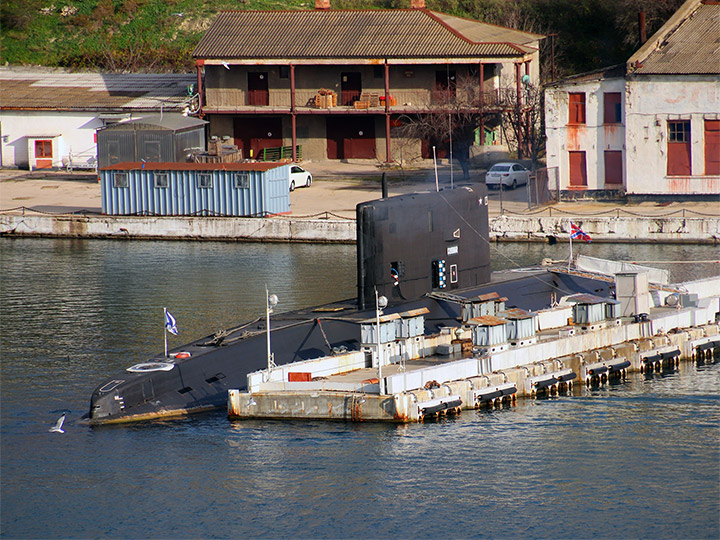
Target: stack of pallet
x,y
367,100
325,99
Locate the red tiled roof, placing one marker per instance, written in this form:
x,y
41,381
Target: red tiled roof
x,y
397,33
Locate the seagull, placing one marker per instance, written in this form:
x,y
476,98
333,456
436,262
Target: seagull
x,y
225,65
57,428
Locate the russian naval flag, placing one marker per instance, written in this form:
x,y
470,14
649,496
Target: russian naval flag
x,y
170,323
577,233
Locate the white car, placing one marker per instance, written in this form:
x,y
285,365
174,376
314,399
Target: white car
x,y
510,175
299,177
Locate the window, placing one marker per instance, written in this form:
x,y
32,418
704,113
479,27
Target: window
x,y
284,72
152,151
43,149
120,180
712,147
613,167
161,180
578,169
612,112
204,181
379,72
242,181
577,108
678,156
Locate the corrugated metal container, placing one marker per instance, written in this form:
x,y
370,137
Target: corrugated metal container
x,y
167,138
195,189
521,323
368,330
612,309
412,327
489,330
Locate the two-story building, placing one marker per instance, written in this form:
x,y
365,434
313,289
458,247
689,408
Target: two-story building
x,y
331,84
650,127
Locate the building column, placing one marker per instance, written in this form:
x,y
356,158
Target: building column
x,y
388,147
481,75
293,115
518,91
198,66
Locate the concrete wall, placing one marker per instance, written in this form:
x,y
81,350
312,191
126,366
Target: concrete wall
x,y
522,229
651,102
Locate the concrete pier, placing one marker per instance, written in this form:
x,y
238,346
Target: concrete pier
x,y
496,379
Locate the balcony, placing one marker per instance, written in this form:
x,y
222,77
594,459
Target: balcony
x,y
234,101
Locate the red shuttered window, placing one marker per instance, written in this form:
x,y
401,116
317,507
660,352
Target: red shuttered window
x,y
577,108
678,156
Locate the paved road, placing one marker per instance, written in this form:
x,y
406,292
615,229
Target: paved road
x,y
337,188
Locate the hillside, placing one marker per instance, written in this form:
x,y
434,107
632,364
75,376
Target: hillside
x,y
159,35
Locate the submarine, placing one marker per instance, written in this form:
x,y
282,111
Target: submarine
x,y
420,250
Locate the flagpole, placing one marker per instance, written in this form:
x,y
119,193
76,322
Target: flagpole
x,y
570,259
165,329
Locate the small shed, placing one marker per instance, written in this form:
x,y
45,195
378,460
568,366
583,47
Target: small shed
x,y
479,306
195,189
521,323
411,323
488,330
588,308
388,328
157,138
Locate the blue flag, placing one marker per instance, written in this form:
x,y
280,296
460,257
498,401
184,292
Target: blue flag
x,y
170,323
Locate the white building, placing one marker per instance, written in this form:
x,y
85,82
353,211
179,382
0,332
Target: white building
x,y
649,127
49,117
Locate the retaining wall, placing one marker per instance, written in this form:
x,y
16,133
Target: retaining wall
x,y
695,230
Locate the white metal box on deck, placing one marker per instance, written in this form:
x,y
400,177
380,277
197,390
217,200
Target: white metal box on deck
x,y
587,308
489,330
480,306
388,326
195,189
521,323
411,323
612,309
633,292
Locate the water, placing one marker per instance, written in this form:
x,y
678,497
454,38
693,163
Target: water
x,y
638,459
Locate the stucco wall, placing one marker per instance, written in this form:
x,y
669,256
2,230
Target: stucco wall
x,y
593,137
651,102
647,105
74,132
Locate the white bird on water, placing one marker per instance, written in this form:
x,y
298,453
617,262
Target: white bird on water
x,y
57,428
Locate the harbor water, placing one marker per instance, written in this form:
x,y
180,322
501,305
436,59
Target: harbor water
x,y
635,459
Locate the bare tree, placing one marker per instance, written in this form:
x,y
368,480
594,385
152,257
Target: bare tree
x,y
452,118
523,120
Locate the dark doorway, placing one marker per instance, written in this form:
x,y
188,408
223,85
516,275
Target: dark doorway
x,y
258,89
254,134
445,86
351,138
441,149
350,88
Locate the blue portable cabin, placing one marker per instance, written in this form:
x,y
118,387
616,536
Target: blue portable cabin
x,y
195,189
